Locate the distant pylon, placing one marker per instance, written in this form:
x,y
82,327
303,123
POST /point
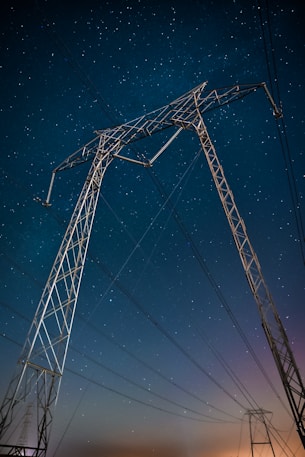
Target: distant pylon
x,y
259,433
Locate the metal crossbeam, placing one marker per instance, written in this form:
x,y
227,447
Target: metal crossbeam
x,y
181,111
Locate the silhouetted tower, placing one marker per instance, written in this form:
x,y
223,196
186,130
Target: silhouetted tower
x,y
261,444
41,365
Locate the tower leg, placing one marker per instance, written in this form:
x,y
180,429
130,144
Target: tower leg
x,y
40,367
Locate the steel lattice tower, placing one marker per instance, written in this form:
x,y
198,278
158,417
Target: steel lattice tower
x,y
259,432
41,364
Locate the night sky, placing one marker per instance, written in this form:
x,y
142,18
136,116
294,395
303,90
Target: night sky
x,y
167,345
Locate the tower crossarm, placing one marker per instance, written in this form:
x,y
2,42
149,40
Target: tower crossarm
x,y
271,322
182,110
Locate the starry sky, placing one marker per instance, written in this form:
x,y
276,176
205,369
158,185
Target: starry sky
x,y
167,346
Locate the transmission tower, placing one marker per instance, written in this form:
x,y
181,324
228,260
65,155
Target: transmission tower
x,y
41,364
259,433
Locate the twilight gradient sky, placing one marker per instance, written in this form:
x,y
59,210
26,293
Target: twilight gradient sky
x,y
68,68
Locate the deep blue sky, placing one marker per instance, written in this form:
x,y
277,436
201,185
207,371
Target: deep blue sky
x,y
67,69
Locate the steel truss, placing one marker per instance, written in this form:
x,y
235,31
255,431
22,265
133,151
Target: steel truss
x,y
41,365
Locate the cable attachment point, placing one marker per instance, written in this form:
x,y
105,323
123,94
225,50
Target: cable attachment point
x,y
278,113
42,202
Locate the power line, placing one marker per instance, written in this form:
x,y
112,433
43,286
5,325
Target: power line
x,y
245,392
124,377
280,124
157,372
157,324
12,340
149,391
129,397
212,281
240,385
